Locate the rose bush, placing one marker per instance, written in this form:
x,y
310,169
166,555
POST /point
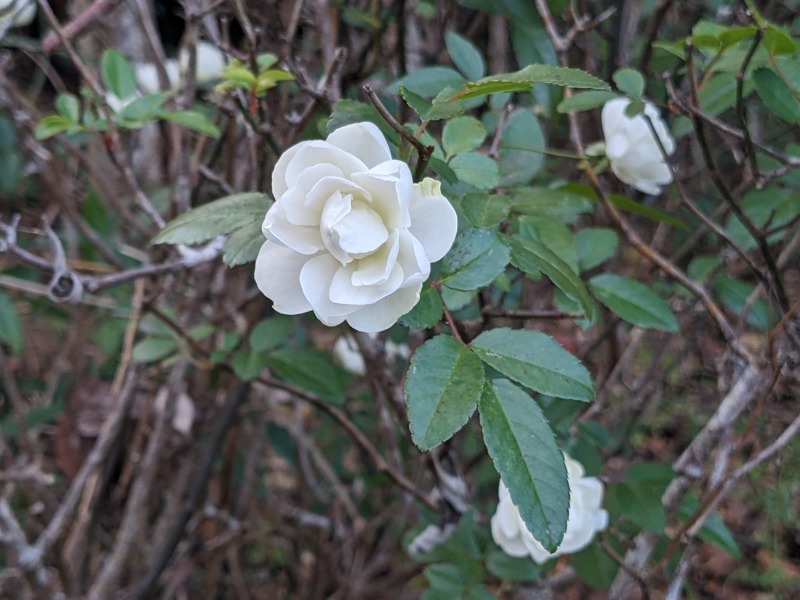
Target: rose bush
x,y
350,235
631,148
586,517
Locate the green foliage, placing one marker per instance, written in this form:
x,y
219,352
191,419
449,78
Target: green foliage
x,y
311,371
524,80
466,57
442,390
118,74
634,302
428,311
239,215
524,451
476,169
776,95
461,135
237,75
476,258
629,82
10,327
535,360
484,211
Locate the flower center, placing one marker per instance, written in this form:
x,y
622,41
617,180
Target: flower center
x,y
350,228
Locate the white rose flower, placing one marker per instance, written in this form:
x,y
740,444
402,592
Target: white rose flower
x,y
350,235
16,13
210,62
586,517
631,148
349,356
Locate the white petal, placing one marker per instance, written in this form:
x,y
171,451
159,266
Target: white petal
x,y
350,227
612,116
363,140
277,275
347,289
413,259
391,187
293,162
384,313
433,220
376,268
315,279
305,199
346,352
510,544
302,239
616,146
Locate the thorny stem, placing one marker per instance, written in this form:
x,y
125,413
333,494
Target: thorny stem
x,y
423,151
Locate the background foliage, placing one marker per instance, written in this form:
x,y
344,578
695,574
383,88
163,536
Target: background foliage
x,y
165,434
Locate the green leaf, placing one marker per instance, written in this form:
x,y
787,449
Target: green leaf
x,y
427,312
442,387
248,364
270,333
776,95
633,302
192,119
475,259
552,234
446,578
215,218
595,245
524,79
152,349
485,211
521,148
562,204
466,57
462,134
585,101
594,566
536,361
714,531
142,109
532,256
476,169
51,125
68,107
118,74
734,294
524,451
625,204
347,112
10,327
244,244
629,82
778,41
429,81
512,568
310,370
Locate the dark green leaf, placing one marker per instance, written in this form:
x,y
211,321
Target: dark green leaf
x,y
595,245
778,41
476,258
521,147
511,568
192,119
429,81
466,57
461,135
552,234
476,169
634,302
535,360
152,349
142,109
734,294
118,74
594,566
484,210
248,364
443,386
215,218
560,203
629,82
585,101
524,451
10,327
524,79
427,312
714,531
310,370
243,244
270,333
776,95
532,256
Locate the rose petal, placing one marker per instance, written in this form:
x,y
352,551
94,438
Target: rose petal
x,y
350,227
391,186
376,268
346,287
364,141
277,228
304,200
277,275
433,220
510,544
384,313
316,279
292,163
413,259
